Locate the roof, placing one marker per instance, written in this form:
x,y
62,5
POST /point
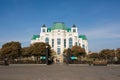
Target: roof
x,y
83,37
68,29
74,26
43,25
49,30
59,25
35,36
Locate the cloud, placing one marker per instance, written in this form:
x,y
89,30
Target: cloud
x,y
104,32
103,36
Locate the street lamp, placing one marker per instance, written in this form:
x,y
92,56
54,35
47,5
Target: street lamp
x,y
47,53
6,61
68,56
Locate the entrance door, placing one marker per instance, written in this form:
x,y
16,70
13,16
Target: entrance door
x,y
58,51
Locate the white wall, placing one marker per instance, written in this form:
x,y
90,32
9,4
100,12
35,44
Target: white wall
x,y
62,34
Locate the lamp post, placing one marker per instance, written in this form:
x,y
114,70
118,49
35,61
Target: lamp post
x,y
6,61
47,53
68,56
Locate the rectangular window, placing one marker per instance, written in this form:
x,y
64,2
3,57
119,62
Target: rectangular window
x,y
79,44
47,40
83,46
58,50
43,30
64,43
58,41
74,30
52,42
70,42
76,43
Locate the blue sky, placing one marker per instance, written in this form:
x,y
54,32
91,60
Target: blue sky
x,y
99,20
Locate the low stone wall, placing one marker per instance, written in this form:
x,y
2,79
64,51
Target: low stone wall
x,y
100,63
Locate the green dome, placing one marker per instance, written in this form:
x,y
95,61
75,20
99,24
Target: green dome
x,y
68,30
59,25
83,37
35,37
49,30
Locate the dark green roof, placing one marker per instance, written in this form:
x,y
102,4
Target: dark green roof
x,y
59,25
49,30
43,25
74,25
83,37
68,30
35,36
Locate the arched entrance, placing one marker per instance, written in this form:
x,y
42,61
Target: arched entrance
x,y
58,59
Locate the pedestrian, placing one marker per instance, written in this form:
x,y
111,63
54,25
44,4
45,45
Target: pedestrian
x,y
90,63
6,61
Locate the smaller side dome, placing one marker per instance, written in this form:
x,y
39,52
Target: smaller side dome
x,y
43,25
83,37
74,26
34,37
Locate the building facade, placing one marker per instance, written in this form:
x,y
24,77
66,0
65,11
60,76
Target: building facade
x,y
60,37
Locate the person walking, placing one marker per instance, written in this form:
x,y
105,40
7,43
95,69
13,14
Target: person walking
x,y
6,61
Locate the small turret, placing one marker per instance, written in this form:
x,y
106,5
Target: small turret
x,y
74,28
44,25
44,28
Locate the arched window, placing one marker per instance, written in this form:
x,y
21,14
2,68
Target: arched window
x,y
70,42
47,40
83,46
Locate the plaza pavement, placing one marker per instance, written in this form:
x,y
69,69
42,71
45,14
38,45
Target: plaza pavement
x,y
59,72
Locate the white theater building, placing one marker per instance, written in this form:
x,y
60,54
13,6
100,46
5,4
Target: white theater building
x,y
61,37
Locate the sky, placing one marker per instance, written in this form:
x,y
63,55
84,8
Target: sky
x,y
99,20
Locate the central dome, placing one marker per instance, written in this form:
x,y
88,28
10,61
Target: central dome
x,y
59,25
